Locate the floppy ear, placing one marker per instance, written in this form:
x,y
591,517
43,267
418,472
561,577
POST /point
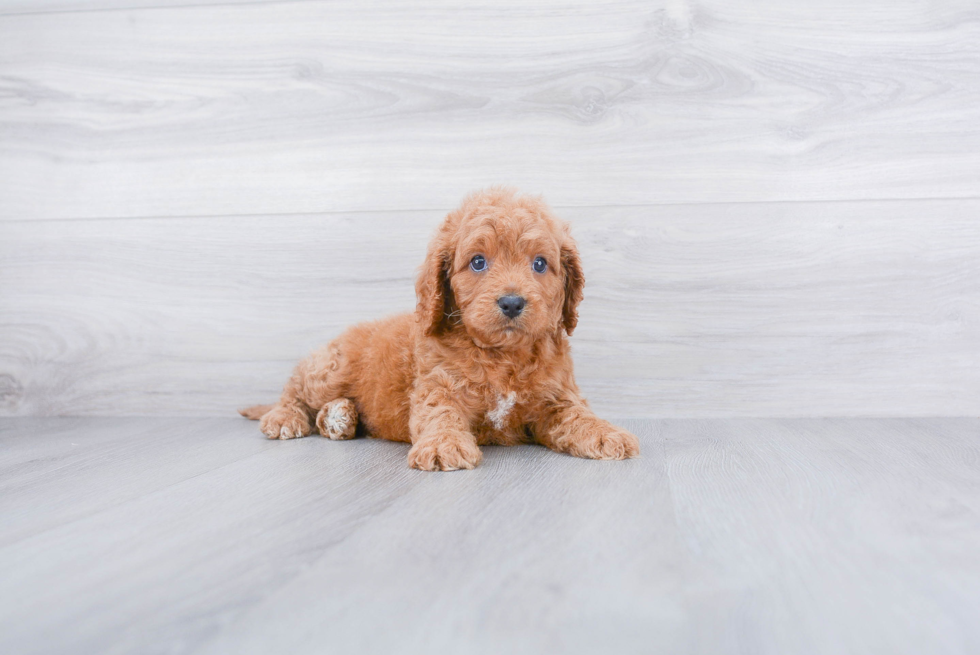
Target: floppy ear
x,y
574,283
432,290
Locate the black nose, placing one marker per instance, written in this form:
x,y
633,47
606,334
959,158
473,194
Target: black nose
x,y
511,306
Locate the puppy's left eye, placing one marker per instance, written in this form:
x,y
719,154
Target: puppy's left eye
x,y
539,265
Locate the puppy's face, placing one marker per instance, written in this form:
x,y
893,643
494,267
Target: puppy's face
x,y
503,269
506,277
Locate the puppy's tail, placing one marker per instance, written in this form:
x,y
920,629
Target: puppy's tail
x,y
256,412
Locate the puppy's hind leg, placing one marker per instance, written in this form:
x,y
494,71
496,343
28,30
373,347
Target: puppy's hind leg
x,y
286,421
290,417
316,382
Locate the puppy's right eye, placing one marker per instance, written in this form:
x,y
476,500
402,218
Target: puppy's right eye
x,y
478,263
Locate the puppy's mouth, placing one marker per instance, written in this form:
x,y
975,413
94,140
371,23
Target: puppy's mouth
x,y
510,325
501,335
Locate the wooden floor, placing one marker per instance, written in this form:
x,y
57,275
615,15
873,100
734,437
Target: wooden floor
x,y
124,535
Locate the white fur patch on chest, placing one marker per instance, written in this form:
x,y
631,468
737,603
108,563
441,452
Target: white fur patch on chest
x,y
498,415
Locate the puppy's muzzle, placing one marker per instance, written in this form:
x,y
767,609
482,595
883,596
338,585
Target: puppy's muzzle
x,y
511,305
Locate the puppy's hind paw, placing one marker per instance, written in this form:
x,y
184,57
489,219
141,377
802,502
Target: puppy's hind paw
x,y
285,423
445,453
338,419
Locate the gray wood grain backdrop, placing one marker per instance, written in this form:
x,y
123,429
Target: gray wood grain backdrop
x,y
778,202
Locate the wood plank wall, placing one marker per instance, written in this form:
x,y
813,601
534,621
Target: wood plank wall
x,y
778,202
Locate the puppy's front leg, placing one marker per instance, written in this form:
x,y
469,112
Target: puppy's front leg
x,y
569,426
441,438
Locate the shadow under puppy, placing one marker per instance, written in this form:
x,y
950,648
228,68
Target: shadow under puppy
x,y
484,359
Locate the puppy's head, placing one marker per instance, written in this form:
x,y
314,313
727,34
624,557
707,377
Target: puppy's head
x,y
503,269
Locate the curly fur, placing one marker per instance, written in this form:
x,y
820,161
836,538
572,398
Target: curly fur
x,y
458,373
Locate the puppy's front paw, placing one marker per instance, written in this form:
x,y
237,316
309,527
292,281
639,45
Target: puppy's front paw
x,y
618,444
601,441
445,452
285,423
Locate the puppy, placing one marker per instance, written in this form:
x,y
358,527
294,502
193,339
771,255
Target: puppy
x,y
483,360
